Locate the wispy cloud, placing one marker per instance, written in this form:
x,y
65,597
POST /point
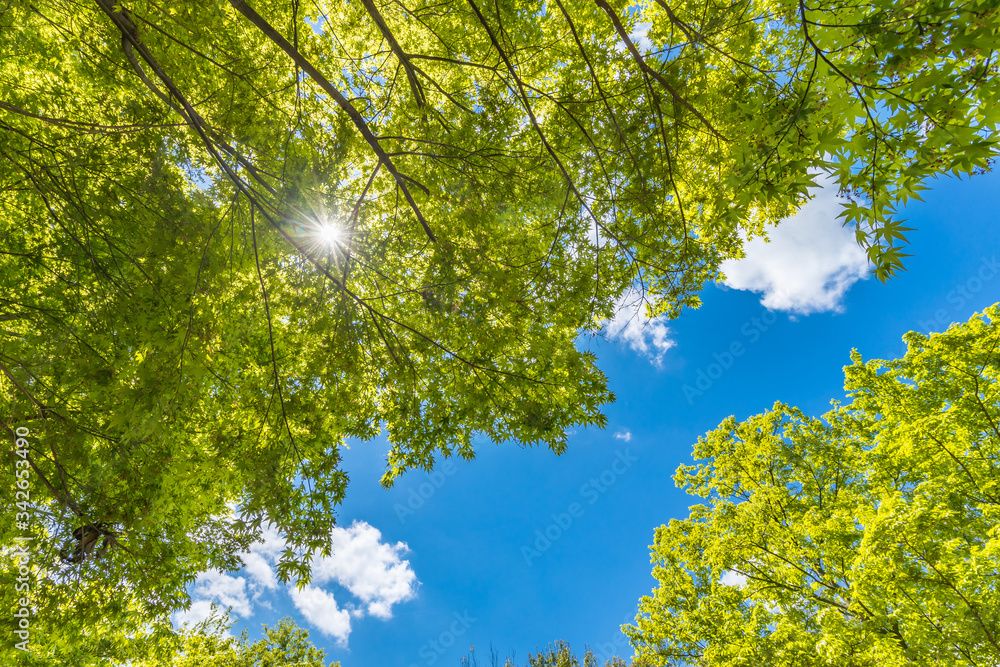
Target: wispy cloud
x,y
624,435
730,578
647,336
639,37
215,588
810,262
196,613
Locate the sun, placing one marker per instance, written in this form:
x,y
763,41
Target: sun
x,y
329,234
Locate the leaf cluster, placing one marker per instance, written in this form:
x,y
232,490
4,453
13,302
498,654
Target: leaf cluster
x,y
867,537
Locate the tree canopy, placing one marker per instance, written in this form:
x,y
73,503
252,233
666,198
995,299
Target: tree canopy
x,y
867,537
208,645
558,654
236,234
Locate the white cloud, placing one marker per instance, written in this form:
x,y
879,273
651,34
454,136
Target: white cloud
x,y
227,590
260,571
320,609
810,262
214,587
624,434
730,578
270,545
259,560
639,37
369,568
196,613
648,337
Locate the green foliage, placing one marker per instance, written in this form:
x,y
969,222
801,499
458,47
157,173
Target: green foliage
x,y
867,537
560,655
557,655
189,355
208,645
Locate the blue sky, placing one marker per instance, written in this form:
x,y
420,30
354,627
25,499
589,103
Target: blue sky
x,y
520,548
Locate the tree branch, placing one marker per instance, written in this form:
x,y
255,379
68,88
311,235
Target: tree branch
x,y
623,34
359,122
